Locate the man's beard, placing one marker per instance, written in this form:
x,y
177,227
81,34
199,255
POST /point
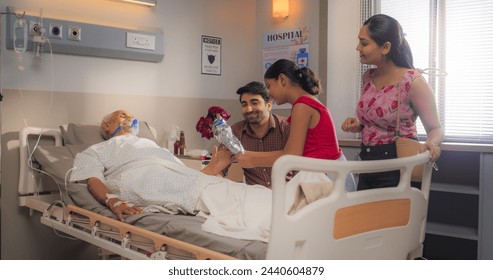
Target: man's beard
x,y
254,118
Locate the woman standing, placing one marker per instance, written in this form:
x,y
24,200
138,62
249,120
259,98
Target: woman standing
x,y
393,88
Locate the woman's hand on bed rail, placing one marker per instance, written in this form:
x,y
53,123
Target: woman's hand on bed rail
x,y
119,207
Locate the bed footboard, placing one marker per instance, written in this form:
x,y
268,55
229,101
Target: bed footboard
x,y
385,223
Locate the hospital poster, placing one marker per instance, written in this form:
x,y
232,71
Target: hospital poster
x,y
211,55
289,44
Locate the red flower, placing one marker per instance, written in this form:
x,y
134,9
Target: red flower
x,y
394,105
372,135
368,85
380,112
407,86
387,89
204,125
214,110
371,102
360,104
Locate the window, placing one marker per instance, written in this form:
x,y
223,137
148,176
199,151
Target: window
x,y
457,37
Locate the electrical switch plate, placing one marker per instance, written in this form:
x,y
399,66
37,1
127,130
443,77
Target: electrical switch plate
x,y
141,41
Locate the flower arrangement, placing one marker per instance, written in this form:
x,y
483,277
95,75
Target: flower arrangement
x,y
214,125
204,125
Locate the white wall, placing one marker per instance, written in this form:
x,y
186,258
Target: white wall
x,y
241,24
342,61
177,75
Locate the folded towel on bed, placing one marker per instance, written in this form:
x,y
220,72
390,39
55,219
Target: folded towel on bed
x,y
310,186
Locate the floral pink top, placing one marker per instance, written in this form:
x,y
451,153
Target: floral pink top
x,y
377,110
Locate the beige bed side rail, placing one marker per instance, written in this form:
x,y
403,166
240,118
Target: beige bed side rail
x,y
160,241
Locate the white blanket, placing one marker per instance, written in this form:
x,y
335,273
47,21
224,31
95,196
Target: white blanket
x,y
237,210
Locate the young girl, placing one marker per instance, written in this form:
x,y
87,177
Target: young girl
x,y
312,130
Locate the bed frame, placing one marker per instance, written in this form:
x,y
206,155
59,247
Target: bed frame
x,y
372,224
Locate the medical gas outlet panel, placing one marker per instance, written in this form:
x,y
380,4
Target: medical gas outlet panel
x,y
78,38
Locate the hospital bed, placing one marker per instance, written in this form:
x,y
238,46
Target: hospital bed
x,y
384,223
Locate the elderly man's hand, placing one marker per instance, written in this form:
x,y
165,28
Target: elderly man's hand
x,y
119,207
221,158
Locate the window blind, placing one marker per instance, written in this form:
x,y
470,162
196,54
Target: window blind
x,y
457,37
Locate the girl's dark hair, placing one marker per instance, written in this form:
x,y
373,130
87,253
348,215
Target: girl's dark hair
x,y
384,28
303,77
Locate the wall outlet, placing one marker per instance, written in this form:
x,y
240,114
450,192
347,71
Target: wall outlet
x,y
73,33
55,31
141,41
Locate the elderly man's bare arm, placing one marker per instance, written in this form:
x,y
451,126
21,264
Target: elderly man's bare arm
x,y
102,194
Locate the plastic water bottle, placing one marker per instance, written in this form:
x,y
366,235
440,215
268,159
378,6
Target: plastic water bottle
x,y
222,132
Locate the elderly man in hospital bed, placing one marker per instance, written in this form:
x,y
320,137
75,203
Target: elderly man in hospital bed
x,y
131,175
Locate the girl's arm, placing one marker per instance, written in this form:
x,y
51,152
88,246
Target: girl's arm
x,y
301,117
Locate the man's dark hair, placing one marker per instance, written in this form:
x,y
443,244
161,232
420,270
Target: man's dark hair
x,y
255,88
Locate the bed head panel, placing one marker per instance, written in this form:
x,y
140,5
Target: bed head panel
x,y
385,223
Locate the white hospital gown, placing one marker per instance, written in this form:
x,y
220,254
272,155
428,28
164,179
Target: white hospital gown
x,y
141,172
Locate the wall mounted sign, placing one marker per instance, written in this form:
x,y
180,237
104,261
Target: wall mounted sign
x,y
289,44
211,55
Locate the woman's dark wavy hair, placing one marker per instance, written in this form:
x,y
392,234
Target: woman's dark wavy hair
x,y
384,28
303,77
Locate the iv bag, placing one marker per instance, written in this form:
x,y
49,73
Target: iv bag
x,y
20,36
